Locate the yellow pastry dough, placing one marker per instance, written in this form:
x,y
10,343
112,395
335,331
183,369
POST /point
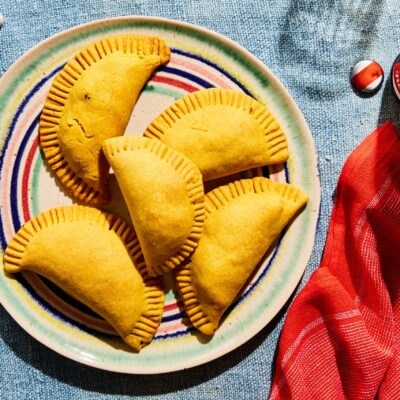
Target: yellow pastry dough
x,y
243,219
90,100
95,257
165,197
221,131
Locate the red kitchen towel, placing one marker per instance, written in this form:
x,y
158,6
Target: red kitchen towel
x,y
341,337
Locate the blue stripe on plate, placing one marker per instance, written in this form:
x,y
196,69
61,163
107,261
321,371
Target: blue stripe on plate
x,y
188,75
215,66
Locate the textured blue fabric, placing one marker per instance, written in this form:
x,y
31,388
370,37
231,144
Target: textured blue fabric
x,y
310,46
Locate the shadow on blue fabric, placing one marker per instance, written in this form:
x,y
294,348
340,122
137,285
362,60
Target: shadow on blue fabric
x,y
337,29
94,380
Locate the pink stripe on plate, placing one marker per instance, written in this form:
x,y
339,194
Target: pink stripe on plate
x,y
201,71
274,173
182,325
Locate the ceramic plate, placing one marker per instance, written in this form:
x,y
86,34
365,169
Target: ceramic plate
x,y
200,59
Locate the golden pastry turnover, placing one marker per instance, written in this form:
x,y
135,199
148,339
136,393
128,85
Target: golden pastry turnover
x,y
243,219
221,131
96,258
164,193
91,99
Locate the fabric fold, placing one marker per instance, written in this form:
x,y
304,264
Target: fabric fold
x,y
341,336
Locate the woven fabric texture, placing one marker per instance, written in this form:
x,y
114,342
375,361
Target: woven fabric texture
x,y
310,46
345,321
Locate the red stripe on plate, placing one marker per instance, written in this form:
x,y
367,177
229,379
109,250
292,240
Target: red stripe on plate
x,y
170,307
174,82
25,179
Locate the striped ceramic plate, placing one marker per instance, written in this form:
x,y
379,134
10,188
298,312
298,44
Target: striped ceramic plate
x,y
200,59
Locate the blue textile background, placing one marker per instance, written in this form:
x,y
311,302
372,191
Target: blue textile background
x,y
310,46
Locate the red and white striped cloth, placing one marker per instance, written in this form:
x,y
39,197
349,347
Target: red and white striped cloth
x,y
341,337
